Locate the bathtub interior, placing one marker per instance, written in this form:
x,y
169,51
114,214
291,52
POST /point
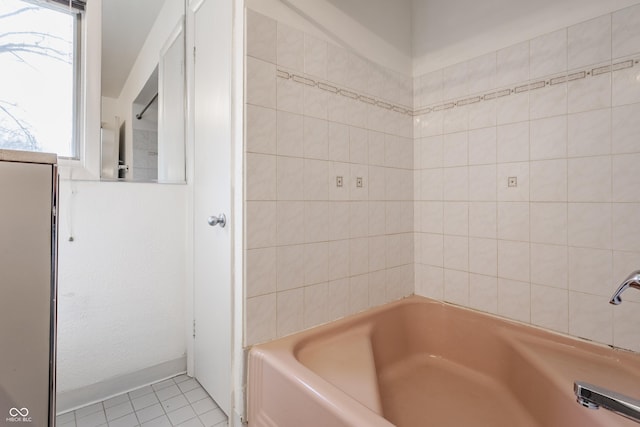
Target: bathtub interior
x,y
458,367
443,355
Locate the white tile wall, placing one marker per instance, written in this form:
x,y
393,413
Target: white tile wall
x,y
551,250
436,202
315,251
548,54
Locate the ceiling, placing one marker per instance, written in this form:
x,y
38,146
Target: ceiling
x,y
388,19
125,25
452,31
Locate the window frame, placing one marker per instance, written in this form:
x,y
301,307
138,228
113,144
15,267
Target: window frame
x,y
86,164
78,54
77,12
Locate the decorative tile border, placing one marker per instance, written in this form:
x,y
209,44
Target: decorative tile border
x,y
591,72
344,92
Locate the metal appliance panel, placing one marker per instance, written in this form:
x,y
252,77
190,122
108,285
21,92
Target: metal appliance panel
x,y
27,294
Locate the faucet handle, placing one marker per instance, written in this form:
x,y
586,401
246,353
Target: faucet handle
x,y
632,281
593,397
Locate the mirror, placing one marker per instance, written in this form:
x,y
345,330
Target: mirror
x,y
143,91
145,131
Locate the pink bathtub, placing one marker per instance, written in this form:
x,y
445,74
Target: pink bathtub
x,y
418,362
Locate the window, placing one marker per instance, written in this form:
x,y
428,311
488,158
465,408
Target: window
x,y
39,76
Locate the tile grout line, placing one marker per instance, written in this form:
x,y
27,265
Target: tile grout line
x,y
164,411
611,79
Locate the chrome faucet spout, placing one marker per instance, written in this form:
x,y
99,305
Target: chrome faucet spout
x,y
594,397
633,281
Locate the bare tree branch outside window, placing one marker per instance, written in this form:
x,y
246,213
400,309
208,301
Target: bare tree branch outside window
x,y
30,58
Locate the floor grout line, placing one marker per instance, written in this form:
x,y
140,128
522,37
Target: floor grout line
x,y
101,409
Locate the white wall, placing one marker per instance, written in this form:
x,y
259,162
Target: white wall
x,y
109,109
121,280
448,32
376,29
108,138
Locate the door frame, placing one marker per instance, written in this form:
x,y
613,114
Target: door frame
x,y
236,216
238,354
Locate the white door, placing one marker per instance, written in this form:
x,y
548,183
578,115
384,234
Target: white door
x,y
212,197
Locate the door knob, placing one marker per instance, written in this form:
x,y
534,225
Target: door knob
x,y
220,220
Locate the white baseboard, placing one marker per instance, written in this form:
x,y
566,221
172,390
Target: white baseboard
x,y
72,399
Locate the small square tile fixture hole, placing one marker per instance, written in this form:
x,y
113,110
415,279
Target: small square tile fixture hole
x,y
338,181
359,182
513,181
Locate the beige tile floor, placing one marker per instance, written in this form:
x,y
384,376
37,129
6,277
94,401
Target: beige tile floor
x,y
179,401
